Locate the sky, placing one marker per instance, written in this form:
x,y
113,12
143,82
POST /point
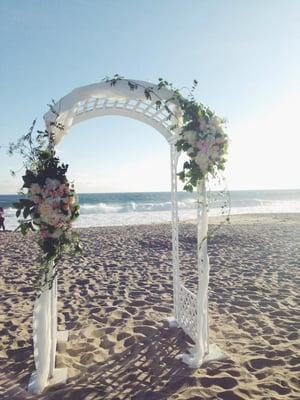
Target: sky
x,y
244,54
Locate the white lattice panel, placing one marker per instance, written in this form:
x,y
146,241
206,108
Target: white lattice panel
x,y
146,107
187,318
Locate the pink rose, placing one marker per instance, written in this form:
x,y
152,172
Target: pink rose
x,y
45,234
203,146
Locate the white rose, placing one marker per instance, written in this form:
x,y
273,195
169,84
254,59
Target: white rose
x,y
202,161
215,121
48,215
215,124
190,137
44,208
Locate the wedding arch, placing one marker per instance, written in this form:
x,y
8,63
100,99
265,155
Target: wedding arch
x,y
158,106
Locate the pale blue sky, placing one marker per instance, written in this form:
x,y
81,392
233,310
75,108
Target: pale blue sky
x,y
245,55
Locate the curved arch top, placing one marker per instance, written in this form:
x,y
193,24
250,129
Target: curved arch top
x,y
102,98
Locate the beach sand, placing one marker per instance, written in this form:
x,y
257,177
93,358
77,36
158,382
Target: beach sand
x,y
114,301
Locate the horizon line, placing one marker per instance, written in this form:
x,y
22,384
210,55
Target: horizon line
x,y
169,191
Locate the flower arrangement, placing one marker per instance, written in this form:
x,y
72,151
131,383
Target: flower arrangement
x,y
205,142
49,206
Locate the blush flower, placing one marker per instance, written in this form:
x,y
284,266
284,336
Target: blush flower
x,y
48,215
35,189
203,146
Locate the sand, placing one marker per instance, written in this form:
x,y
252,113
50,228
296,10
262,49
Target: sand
x,y
114,301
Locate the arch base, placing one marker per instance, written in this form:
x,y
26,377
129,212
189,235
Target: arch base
x,y
192,359
172,321
60,376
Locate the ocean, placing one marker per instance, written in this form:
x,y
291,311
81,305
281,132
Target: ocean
x,y
103,209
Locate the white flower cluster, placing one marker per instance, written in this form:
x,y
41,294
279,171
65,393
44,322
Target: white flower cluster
x,y
53,202
206,144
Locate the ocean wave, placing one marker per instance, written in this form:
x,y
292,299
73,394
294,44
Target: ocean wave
x,y
125,209
10,211
105,208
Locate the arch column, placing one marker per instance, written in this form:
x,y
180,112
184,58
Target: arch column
x,y
202,351
174,155
45,339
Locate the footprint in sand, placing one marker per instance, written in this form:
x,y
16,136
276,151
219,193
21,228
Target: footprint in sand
x,y
281,390
131,310
260,363
129,341
162,309
229,395
138,303
225,382
122,335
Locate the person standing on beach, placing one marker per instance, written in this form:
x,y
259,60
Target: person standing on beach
x,y
2,219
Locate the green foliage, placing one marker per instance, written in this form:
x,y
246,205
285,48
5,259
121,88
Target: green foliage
x,y
113,80
132,86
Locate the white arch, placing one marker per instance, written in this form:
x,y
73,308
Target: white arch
x,y
190,309
104,99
